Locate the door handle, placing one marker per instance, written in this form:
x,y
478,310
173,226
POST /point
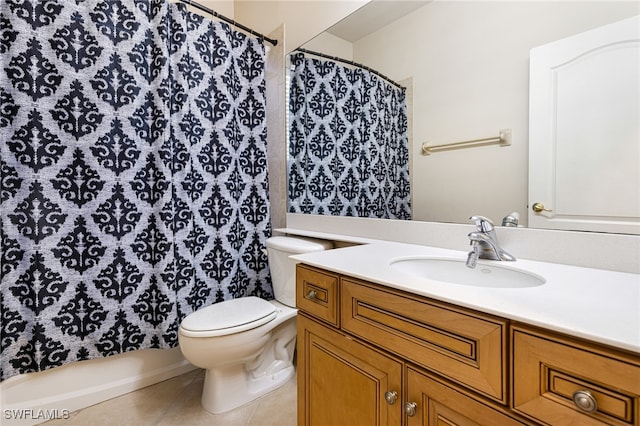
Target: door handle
x,y
539,207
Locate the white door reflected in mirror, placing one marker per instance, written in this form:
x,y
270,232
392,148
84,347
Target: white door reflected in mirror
x,y
584,140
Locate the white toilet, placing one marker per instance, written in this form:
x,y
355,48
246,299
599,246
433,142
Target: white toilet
x,y
246,345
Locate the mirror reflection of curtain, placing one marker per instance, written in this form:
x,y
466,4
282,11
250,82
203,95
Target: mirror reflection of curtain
x,y
348,143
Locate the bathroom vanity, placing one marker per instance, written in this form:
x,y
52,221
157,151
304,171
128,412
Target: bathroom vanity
x,y
378,347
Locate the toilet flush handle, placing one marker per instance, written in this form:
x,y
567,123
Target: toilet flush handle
x,y
312,294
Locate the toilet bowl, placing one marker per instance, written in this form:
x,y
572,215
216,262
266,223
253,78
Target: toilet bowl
x,y
246,345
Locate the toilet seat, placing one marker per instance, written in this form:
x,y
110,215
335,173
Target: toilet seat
x,y
228,317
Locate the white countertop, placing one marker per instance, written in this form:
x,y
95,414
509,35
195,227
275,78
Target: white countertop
x,y
595,304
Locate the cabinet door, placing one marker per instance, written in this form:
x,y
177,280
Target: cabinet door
x,y
344,382
436,403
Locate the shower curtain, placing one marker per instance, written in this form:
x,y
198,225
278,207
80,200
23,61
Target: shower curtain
x,y
133,176
348,144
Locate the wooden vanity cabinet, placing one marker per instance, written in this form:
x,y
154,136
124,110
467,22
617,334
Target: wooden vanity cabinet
x,y
372,355
343,381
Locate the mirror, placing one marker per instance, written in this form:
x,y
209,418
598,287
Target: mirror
x,y
466,69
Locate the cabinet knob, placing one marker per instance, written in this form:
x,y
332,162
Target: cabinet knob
x,y
391,397
312,294
585,401
539,207
410,408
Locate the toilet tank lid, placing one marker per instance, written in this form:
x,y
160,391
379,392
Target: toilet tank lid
x,y
298,245
230,315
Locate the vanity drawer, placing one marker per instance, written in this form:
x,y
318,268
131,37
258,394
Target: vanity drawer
x,y
468,348
317,293
548,369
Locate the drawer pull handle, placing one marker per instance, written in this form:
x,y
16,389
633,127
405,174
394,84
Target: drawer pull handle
x,y
391,397
585,401
410,408
312,294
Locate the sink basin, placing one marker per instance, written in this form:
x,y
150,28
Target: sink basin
x,y
454,271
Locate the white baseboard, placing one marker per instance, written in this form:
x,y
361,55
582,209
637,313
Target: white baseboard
x,y
34,398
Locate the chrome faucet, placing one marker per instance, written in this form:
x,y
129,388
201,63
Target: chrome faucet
x,y
484,243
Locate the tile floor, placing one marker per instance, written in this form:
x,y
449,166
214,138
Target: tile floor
x,y
177,402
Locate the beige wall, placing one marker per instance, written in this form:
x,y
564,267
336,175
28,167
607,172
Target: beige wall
x,y
470,67
223,7
331,45
276,132
303,19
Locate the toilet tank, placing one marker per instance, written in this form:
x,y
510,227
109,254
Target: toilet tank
x,y
283,269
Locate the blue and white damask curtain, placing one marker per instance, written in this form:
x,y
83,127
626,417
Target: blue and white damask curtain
x,y
348,144
133,175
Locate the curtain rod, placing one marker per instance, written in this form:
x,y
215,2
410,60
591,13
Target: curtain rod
x,y
228,20
346,61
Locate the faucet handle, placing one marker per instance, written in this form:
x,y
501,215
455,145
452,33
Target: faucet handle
x,y
482,223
